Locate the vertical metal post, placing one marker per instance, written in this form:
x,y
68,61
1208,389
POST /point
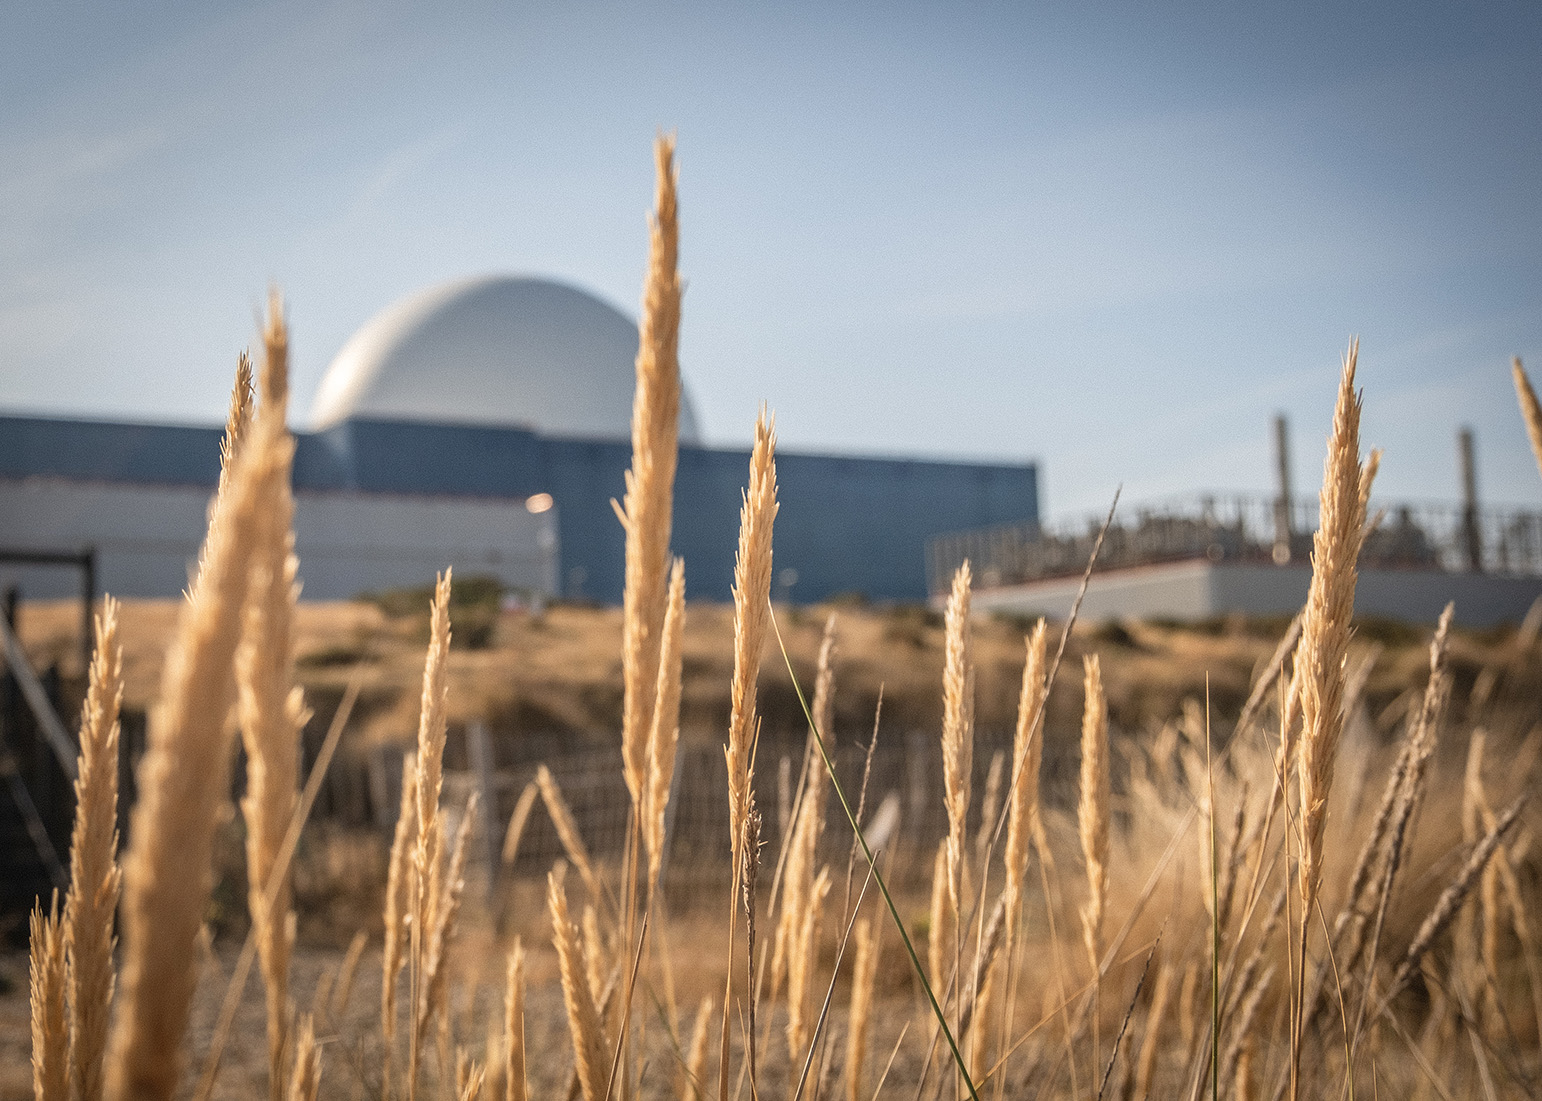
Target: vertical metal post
x,y
1472,535
1282,503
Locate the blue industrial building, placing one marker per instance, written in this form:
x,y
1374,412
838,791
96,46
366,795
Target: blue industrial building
x,y
509,396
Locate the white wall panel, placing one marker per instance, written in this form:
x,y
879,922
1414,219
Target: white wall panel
x,y
147,538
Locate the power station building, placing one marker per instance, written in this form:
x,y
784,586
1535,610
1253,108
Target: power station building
x,y
483,424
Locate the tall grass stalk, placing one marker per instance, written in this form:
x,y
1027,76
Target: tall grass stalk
x,y
183,782
271,707
50,1021
1092,815
1320,659
752,609
1531,409
91,904
426,895
650,481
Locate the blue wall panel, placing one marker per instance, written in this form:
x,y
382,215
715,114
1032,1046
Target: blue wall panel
x,y
458,460
846,525
102,451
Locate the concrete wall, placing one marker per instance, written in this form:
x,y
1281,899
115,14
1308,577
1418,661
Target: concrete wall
x,y
1200,589
147,538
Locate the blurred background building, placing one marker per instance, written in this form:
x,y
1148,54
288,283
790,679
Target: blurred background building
x,y
1200,556
483,424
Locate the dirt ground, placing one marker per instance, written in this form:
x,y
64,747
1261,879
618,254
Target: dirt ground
x,y
560,672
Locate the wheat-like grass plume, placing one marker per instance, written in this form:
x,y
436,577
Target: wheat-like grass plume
x,y
1452,897
1468,964
1531,409
431,731
398,906
271,707
595,953
183,785
1491,908
469,1079
664,736
427,879
863,979
433,979
1023,820
1092,813
50,1024
1092,809
1385,839
518,820
752,606
797,875
567,831
583,1017
990,805
824,684
957,727
1326,625
650,481
91,905
752,609
238,419
940,921
515,1087
1027,753
808,820
801,963
1320,659
975,995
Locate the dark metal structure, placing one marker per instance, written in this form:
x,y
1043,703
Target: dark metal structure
x,y
1241,528
37,750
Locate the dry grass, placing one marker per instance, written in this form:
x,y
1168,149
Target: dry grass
x,y
92,902
270,708
167,871
650,482
1206,868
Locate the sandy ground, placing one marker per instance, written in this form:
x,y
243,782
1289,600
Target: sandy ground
x,y
561,673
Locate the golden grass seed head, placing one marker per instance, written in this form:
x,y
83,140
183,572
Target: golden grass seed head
x,y
957,725
650,481
50,1025
1093,808
1326,625
752,608
90,906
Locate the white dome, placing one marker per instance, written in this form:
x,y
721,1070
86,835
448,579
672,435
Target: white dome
x,y
506,351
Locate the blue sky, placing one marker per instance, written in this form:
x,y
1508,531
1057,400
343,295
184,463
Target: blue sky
x,y
1113,238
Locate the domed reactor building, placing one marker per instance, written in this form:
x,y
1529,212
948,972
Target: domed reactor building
x,y
483,424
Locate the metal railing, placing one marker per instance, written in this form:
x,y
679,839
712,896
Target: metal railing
x,y
1241,528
